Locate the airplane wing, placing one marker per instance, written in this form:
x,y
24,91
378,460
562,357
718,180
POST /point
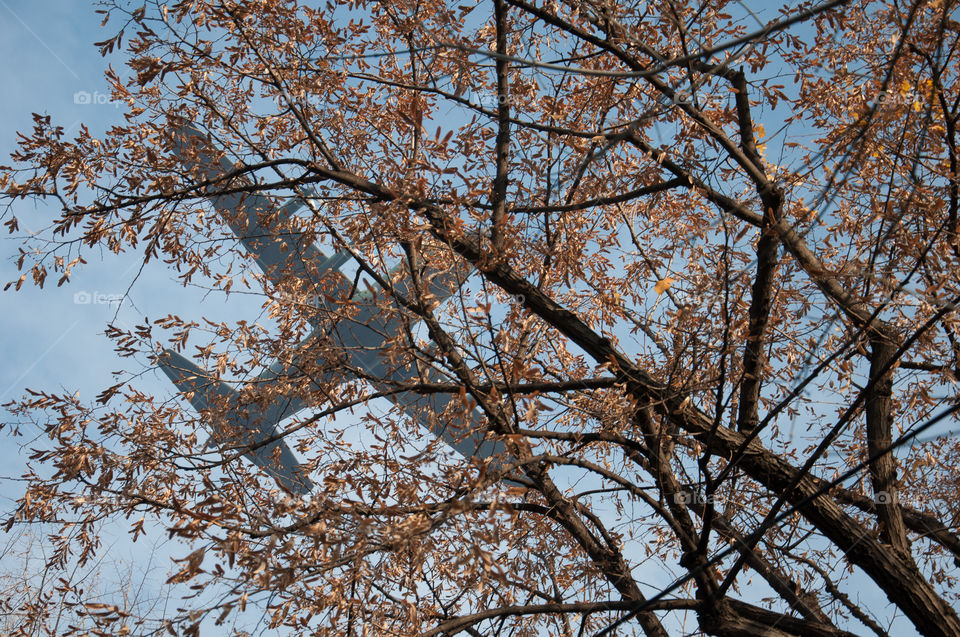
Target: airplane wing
x,y
281,254
366,353
278,254
467,439
363,338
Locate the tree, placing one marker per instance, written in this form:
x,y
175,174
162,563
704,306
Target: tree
x,y
106,589
711,321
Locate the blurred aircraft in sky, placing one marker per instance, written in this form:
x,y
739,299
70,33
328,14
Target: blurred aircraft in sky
x,y
253,426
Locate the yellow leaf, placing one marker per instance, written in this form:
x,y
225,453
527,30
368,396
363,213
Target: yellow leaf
x,y
760,131
904,87
663,285
917,106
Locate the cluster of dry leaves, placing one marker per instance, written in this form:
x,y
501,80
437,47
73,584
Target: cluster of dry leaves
x,y
719,256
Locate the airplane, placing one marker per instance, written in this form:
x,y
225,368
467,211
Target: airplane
x,y
284,254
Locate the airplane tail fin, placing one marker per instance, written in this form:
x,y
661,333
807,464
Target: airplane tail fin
x,y
235,424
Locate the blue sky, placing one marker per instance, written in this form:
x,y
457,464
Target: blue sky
x,y
52,339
